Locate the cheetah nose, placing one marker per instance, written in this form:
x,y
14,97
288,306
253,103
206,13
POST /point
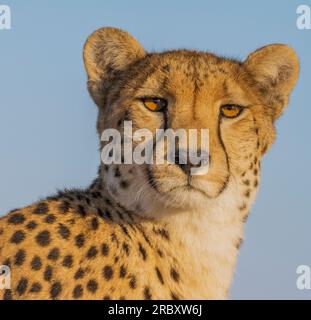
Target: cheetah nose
x,y
186,168
184,162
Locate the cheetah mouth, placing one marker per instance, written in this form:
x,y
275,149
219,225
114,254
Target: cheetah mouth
x,y
210,189
188,187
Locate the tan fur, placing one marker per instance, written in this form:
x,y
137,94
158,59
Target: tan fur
x,y
147,234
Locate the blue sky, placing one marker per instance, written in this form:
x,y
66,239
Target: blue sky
x,y
47,120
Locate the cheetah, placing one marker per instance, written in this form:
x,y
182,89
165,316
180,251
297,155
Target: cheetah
x,y
148,231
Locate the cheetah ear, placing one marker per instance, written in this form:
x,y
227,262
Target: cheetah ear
x,y
106,52
274,70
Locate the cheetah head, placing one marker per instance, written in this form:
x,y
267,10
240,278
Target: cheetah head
x,y
238,102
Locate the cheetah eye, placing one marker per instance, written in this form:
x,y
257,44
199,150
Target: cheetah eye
x,y
154,104
231,110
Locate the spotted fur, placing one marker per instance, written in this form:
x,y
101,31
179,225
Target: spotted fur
x,y
148,231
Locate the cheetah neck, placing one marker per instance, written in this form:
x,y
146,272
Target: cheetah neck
x,y
205,243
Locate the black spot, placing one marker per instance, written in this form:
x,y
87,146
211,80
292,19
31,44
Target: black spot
x,y
124,184
122,273
20,257
162,232
36,287
7,295
159,275
79,240
16,218
125,231
132,282
31,225
174,275
50,218
55,290
108,214
36,263
239,243
246,182
117,172
48,272
79,197
142,251
53,198
255,172
245,217
63,231
43,238
174,296
141,230
77,292
92,286
126,248
166,68
247,193
92,252
100,213
41,208
95,194
79,274
22,286
256,183
105,249
106,297
160,253
64,207
81,211
147,294
17,237
67,262
107,272
114,238
94,224
120,215
54,254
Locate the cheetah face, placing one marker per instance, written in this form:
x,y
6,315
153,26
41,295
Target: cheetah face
x,y
237,102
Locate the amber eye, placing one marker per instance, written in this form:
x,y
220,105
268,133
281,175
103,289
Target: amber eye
x,y
231,110
154,104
